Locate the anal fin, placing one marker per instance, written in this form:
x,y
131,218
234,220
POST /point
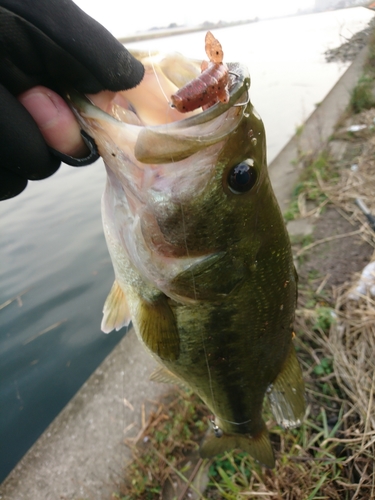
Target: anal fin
x,y
287,394
116,310
158,329
165,376
259,446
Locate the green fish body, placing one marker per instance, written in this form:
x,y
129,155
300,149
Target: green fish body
x,y
201,255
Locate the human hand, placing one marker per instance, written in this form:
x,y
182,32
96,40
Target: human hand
x,y
47,46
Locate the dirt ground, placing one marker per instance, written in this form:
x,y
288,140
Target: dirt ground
x,y
338,257
353,155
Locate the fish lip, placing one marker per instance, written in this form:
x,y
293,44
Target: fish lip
x,y
80,103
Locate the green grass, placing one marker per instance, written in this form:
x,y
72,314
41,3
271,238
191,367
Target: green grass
x,y
173,432
311,461
362,96
316,170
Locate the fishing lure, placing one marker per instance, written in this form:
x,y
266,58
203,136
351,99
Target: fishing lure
x,y
210,86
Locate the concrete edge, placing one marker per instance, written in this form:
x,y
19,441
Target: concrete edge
x,y
82,453
284,170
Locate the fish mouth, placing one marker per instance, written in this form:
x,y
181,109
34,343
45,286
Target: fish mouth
x,y
158,132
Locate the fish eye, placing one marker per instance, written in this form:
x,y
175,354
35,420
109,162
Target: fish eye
x,y
242,177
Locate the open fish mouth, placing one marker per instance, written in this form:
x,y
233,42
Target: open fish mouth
x,y
147,117
158,159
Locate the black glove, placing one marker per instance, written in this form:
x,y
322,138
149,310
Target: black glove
x,y
55,44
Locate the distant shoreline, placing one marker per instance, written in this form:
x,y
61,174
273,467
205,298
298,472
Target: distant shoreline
x,y
182,30
164,32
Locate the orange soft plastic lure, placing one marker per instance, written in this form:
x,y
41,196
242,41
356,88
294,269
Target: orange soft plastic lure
x,y
210,86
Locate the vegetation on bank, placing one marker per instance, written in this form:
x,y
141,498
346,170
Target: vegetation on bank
x,y
363,95
331,456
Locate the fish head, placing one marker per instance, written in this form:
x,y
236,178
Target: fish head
x,y
186,193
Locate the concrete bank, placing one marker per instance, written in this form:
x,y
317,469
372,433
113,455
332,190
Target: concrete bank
x,y
82,453
285,168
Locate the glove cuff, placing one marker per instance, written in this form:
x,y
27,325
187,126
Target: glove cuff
x,y
80,162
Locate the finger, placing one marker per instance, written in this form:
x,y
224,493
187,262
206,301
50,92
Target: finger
x,y
23,149
55,121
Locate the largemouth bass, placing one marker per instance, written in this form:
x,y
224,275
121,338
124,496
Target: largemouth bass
x,y
201,255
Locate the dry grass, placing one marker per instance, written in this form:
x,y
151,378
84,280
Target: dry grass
x,y
341,329
351,339
165,451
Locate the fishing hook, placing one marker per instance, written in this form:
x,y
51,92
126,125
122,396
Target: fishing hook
x,y
217,431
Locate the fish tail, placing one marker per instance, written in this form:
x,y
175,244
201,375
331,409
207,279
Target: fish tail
x,y
258,446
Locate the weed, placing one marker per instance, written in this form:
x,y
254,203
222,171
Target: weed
x,y
292,212
370,63
163,449
324,318
300,129
316,170
325,367
362,96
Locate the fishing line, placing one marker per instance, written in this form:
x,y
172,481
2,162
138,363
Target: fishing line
x,y
124,398
245,103
157,78
169,107
235,423
195,297
185,241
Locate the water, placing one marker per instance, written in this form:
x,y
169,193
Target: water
x,y
52,250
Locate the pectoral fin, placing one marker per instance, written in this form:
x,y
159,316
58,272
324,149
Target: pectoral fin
x,y
164,376
287,398
259,446
158,328
115,311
